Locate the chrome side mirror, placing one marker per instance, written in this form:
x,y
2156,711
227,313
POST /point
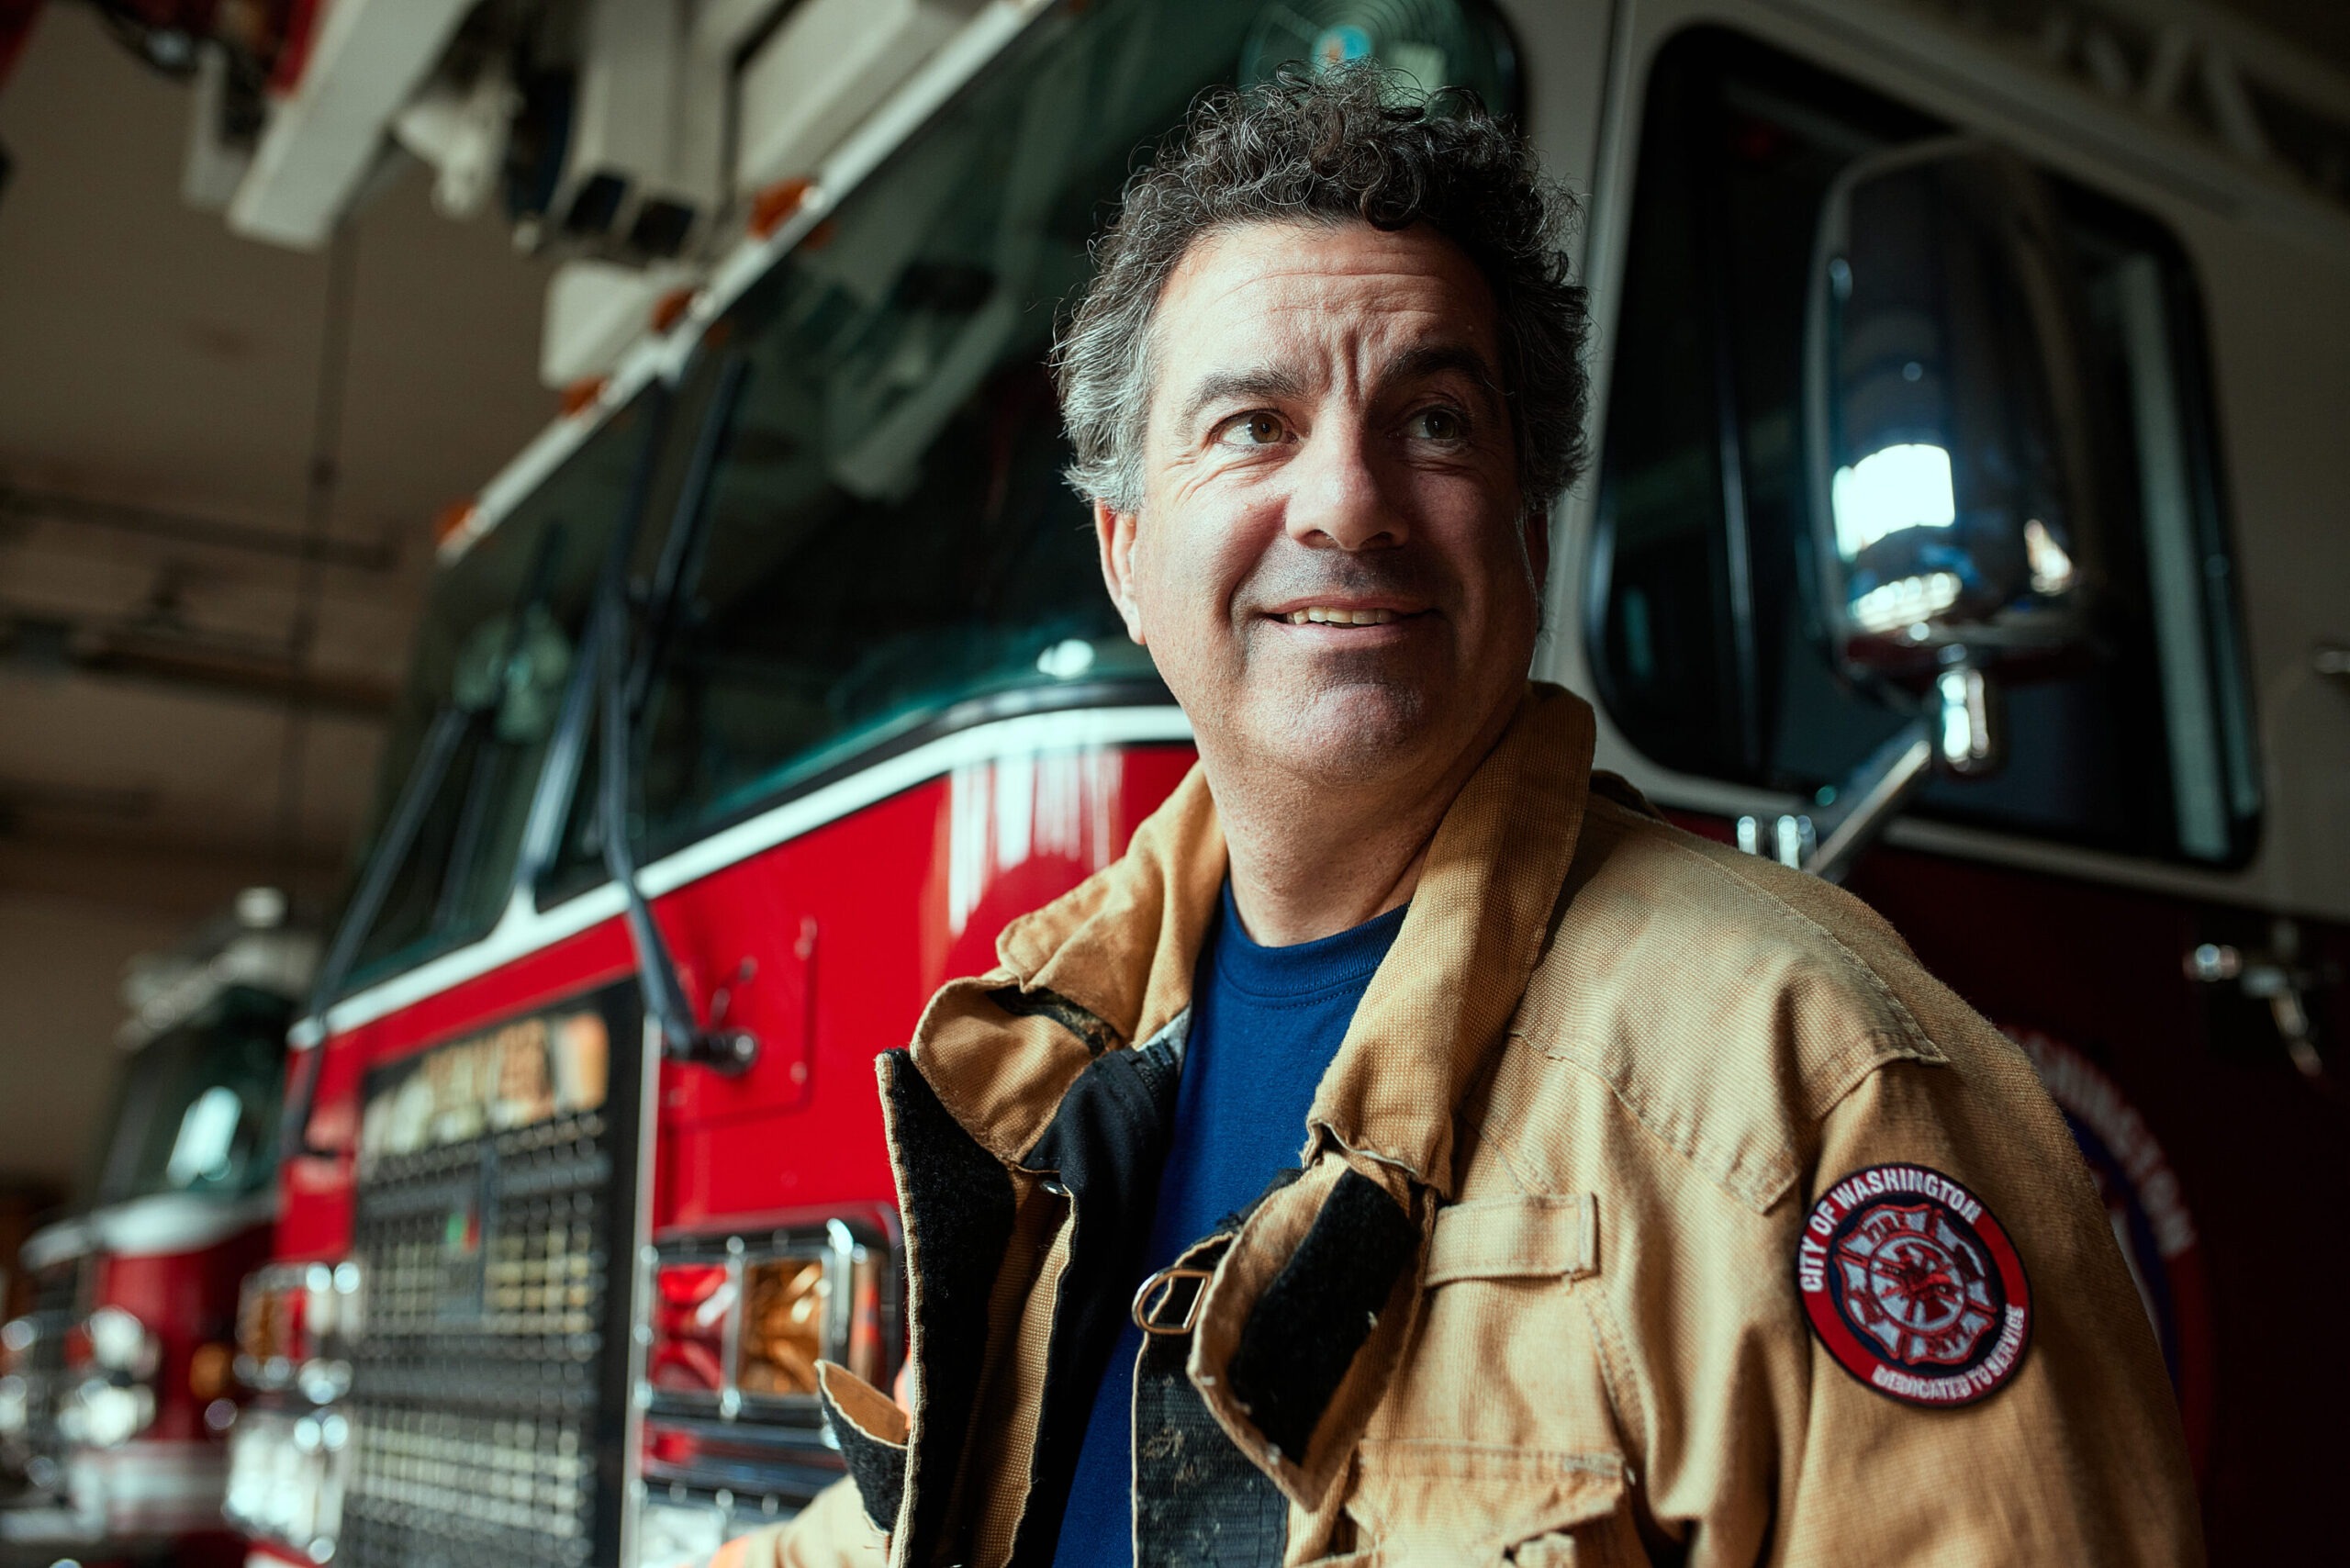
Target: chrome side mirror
x,y
1955,502
1952,451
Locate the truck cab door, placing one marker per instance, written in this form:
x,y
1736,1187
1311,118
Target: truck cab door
x,y
2105,895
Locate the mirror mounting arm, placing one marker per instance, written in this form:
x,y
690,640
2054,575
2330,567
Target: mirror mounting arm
x,y
1958,734
1825,842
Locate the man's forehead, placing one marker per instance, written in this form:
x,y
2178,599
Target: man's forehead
x,y
1274,290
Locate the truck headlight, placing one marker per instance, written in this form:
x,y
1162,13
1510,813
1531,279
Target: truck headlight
x,y
104,1415
18,1337
114,1356
120,1343
286,1474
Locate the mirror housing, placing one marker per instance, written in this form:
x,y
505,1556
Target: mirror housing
x,y
1948,423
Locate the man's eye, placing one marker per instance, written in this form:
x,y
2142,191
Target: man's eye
x,y
1252,429
1437,424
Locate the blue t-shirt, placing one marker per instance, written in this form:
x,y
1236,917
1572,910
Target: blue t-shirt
x,y
1265,1022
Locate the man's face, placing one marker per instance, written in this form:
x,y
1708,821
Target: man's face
x,y
1331,567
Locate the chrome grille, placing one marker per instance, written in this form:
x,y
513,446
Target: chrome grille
x,y
488,1381
57,1300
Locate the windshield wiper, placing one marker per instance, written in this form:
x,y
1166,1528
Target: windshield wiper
x,y
624,683
680,565
443,738
432,759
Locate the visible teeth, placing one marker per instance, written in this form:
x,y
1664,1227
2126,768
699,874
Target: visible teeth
x,y
1320,616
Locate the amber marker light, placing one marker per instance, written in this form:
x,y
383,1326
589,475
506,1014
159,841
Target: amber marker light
x,y
774,205
582,394
211,1372
783,1326
670,308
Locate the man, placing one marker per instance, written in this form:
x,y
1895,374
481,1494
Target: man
x,y
1414,1151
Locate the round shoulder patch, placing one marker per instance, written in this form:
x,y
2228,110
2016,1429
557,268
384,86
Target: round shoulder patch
x,y
1912,1285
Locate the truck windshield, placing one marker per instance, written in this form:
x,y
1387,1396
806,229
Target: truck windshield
x,y
885,548
497,643
197,1108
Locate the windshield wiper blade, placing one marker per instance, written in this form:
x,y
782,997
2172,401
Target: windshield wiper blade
x,y
432,759
679,568
682,1037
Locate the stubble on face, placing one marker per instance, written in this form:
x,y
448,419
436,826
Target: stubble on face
x,y
1327,443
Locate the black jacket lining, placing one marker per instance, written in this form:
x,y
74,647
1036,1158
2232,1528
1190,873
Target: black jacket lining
x,y
958,1207
1107,1144
878,1468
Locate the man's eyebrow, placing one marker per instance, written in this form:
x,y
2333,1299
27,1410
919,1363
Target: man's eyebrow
x,y
1264,384
1272,383
1431,360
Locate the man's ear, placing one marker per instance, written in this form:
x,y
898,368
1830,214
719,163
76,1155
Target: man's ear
x,y
1116,531
1537,548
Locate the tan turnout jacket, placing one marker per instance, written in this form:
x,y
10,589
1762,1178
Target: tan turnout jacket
x,y
1603,1077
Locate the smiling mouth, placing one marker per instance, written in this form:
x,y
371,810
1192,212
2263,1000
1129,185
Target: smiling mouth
x,y
1325,615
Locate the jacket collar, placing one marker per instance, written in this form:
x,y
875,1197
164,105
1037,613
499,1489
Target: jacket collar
x,y
1477,924
1122,946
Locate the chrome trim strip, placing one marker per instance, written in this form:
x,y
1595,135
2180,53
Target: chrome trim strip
x,y
154,1226
522,929
640,1308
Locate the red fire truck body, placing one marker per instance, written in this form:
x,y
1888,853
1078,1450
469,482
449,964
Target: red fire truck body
x,y
116,1390
796,597
156,1489
779,916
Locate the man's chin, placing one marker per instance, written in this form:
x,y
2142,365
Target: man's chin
x,y
1349,736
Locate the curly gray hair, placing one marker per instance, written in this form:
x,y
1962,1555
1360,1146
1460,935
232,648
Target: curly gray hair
x,y
1329,148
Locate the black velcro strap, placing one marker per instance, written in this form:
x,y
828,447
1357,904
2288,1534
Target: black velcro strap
x,y
1302,1334
1199,1502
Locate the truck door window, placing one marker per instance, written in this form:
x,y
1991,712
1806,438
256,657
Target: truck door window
x,y
497,638
1696,620
888,548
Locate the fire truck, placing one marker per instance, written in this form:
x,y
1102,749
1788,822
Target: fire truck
x,y
1968,397
117,1389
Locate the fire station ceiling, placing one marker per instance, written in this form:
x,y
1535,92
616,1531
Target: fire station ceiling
x,y
2322,27
160,383
160,388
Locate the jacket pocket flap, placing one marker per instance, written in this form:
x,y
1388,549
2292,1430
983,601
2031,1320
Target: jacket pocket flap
x,y
1516,1238
1437,1501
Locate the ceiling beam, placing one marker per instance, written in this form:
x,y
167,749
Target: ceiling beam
x,y
20,504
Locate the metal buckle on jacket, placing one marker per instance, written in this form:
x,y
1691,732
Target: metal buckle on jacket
x,y
1162,1286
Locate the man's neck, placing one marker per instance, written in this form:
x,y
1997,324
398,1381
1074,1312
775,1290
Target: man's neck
x,y
1294,886
1310,858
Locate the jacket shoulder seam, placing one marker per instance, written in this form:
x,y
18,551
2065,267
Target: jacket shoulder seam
x,y
1755,1172
1669,837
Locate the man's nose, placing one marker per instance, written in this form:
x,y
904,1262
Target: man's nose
x,y
1338,497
